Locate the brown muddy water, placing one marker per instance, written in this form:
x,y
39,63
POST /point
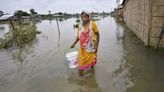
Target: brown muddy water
x,y
40,66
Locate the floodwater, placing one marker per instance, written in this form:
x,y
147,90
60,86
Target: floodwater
x,y
40,66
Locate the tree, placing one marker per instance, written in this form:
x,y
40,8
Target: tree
x,y
60,13
21,13
32,11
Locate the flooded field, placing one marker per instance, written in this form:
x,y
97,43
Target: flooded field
x,y
123,65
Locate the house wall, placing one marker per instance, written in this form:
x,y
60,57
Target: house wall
x,y
145,18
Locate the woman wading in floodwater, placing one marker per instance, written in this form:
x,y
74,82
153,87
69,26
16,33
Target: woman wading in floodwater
x,y
88,36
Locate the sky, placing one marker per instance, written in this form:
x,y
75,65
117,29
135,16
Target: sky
x,y
69,6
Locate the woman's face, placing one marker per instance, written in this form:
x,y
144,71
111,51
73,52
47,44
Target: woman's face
x,y
85,18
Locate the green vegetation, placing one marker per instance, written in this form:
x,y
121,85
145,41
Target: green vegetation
x,y
19,34
32,11
21,13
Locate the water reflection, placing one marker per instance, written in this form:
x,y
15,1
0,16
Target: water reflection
x,y
50,20
20,55
4,28
19,40
58,32
122,78
145,65
87,83
119,31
